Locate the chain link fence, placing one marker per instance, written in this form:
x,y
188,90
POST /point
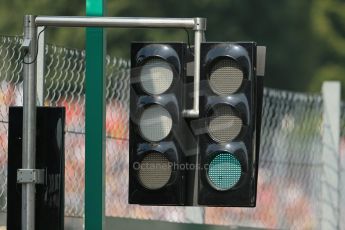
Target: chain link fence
x,y
289,185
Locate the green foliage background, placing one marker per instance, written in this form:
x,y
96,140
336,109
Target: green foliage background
x,y
305,39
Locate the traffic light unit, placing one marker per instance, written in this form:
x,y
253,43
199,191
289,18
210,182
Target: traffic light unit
x,y
226,133
227,107
157,71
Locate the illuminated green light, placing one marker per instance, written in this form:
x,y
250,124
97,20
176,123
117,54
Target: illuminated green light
x,y
224,171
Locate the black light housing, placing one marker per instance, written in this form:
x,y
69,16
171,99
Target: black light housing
x,y
228,149
157,71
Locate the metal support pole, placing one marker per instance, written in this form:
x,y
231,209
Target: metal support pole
x,y
29,122
330,156
95,48
40,66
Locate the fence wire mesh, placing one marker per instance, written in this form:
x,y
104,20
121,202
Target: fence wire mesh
x,y
289,183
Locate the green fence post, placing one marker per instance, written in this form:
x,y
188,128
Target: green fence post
x,y
95,120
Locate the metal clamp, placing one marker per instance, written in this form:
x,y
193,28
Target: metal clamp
x,y
35,176
25,45
200,24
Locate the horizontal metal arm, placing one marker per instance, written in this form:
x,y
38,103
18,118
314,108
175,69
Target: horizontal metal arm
x,y
135,22
197,24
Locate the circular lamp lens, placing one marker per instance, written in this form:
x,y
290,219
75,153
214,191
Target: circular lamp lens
x,y
226,77
155,171
224,125
155,123
224,171
156,76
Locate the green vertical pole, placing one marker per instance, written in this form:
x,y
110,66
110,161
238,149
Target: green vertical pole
x,y
95,120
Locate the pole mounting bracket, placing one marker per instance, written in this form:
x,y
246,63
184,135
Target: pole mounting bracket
x,y
34,176
25,45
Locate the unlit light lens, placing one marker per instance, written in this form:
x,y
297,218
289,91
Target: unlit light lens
x,y
226,77
224,125
155,171
156,76
155,123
